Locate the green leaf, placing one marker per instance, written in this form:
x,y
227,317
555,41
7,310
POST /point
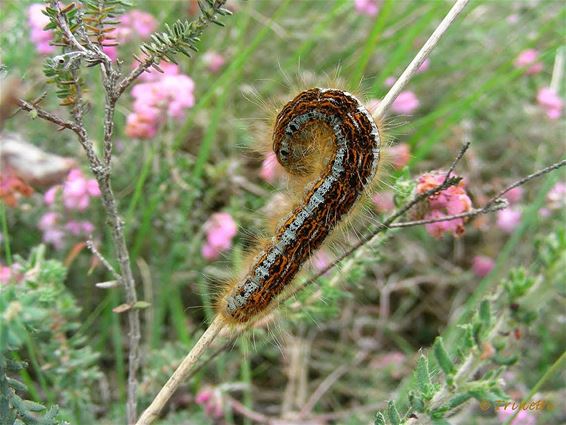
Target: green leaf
x,y
485,314
423,377
142,304
393,414
443,358
379,419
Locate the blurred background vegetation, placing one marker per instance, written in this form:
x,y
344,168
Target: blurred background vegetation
x,y
409,288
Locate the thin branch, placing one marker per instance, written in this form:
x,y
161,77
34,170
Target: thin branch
x,y
90,245
500,205
47,116
460,155
419,59
180,374
526,179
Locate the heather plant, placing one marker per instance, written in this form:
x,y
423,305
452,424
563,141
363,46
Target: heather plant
x,y
39,319
439,302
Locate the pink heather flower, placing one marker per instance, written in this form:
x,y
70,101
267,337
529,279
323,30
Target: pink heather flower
x,y
384,201
514,195
5,274
556,196
528,59
37,21
213,61
400,155
367,7
424,66
524,417
321,260
406,103
437,229
141,23
141,126
389,81
178,91
55,237
77,190
270,168
220,229
135,23
482,265
51,194
451,201
513,19
78,228
48,220
211,400
168,92
549,100
52,233
508,219
111,51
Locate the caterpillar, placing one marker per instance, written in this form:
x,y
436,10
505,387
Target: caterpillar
x,y
347,159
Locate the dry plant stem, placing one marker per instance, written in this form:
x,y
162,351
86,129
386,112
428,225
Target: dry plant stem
x,y
92,247
47,116
419,58
179,376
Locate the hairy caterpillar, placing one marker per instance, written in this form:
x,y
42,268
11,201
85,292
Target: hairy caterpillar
x,y
346,158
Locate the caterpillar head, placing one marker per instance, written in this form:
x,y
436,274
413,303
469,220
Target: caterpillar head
x,y
299,142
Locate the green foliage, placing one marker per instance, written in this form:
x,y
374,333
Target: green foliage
x,y
182,36
39,320
100,19
482,351
14,409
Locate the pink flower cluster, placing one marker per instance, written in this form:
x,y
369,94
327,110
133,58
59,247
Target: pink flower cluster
x,y
134,24
170,93
75,194
528,59
367,7
77,191
482,265
220,230
549,100
406,103
453,200
211,400
37,21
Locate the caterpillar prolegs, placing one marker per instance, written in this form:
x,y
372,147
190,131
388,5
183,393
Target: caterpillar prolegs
x,y
350,139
